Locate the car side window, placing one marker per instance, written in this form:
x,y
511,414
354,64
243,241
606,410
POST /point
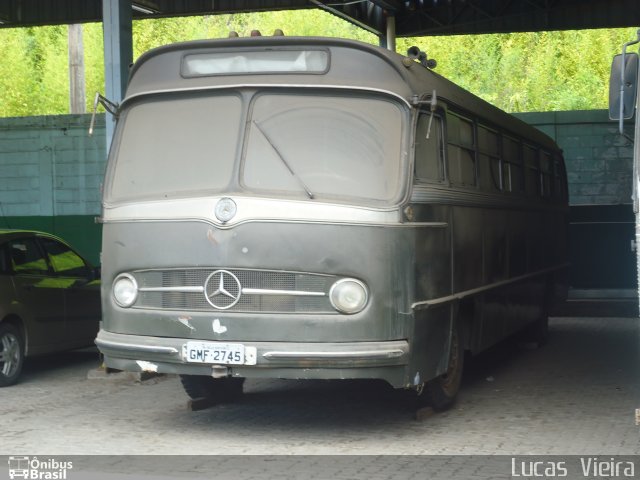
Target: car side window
x,y
26,257
64,261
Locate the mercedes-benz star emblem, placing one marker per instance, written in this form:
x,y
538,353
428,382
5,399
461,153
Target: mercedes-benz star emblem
x,y
222,289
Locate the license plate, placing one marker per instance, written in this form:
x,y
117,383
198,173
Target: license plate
x,y
213,353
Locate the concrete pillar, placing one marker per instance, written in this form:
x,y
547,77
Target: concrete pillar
x,y
118,53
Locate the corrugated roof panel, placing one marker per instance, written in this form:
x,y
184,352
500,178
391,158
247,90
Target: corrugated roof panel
x,y
413,17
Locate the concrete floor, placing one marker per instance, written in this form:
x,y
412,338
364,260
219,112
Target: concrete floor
x,y
577,395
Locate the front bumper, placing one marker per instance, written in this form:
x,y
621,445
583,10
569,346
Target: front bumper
x,y
386,360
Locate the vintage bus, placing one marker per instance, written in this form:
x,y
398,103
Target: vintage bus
x,y
315,208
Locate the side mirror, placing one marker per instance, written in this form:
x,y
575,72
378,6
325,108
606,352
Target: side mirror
x,y
623,90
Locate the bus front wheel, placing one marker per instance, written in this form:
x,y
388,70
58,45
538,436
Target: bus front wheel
x,y
440,393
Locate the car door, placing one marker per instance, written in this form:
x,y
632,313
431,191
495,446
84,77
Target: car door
x,y
81,291
39,297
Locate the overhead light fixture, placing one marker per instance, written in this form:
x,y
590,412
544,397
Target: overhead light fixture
x,y
141,9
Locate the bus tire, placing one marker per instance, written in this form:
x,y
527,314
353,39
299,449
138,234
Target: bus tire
x,y
220,390
441,392
11,354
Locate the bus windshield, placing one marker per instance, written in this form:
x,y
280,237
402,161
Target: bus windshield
x,y
333,146
295,145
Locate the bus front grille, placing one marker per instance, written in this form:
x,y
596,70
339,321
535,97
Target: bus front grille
x,y
234,290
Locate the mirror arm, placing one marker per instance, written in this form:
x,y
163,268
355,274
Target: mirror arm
x,y
433,105
108,105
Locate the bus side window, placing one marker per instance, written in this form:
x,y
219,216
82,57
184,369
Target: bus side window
x,y
461,151
532,171
558,189
489,159
512,165
429,156
546,174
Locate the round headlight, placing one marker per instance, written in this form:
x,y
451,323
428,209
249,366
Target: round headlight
x,y
348,295
125,290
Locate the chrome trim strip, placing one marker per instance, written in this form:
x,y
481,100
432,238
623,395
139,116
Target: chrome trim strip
x,y
267,85
245,291
250,209
291,221
172,289
293,293
484,288
135,347
369,354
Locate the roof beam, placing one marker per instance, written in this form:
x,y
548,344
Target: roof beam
x,y
413,17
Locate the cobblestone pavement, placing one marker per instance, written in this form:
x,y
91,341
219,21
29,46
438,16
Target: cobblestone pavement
x,y
575,396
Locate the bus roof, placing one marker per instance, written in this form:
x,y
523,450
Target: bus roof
x,y
349,64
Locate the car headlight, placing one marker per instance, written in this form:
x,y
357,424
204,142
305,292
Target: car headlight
x,y
125,290
348,295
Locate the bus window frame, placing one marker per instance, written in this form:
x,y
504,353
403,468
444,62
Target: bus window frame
x,y
546,177
532,171
469,149
519,163
492,157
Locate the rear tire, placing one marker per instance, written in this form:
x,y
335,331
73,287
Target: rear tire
x,y
11,354
219,390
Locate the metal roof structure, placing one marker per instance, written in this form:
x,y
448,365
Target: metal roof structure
x,y
412,17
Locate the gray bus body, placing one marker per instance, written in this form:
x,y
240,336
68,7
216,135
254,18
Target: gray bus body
x,y
313,208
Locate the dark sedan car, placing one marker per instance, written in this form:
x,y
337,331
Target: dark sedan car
x,y
49,299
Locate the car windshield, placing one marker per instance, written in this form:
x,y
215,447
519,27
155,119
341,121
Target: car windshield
x,y
306,146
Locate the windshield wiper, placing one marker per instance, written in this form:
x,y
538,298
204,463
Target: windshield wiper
x,y
285,163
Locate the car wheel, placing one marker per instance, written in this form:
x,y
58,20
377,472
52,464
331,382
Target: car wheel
x,y
11,354
220,390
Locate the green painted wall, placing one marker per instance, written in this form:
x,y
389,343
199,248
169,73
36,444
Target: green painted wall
x,y
51,173
81,231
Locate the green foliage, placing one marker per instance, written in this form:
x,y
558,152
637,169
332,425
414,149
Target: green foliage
x,y
149,34
541,71
517,72
17,81
93,61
